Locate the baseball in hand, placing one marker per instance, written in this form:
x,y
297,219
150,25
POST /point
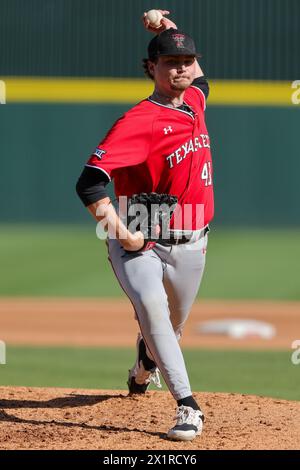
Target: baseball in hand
x,y
154,17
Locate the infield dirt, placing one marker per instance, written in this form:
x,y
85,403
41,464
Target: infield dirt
x,y
37,418
103,322
53,418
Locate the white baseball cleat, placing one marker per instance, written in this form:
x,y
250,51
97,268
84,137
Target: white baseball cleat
x,y
189,424
143,372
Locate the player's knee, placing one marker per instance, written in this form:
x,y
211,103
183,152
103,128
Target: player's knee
x,y
178,321
178,332
153,306
151,300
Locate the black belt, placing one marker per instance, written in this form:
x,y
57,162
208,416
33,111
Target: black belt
x,y
181,239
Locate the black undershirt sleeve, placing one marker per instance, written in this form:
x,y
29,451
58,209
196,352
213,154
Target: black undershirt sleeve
x,y
202,84
91,184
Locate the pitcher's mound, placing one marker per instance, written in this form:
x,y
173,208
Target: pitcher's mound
x,y
53,418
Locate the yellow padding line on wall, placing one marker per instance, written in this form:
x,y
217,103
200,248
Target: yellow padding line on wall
x,y
122,90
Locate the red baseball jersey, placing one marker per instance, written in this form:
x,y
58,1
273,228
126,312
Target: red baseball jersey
x,y
157,148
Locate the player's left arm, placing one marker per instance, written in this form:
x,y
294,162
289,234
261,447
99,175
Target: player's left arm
x,y
200,81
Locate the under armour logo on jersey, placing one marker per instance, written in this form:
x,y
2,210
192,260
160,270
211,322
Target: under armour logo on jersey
x,y
168,129
99,153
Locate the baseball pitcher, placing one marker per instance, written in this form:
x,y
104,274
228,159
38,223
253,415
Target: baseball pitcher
x,y
158,156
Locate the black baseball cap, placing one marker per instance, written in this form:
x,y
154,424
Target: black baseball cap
x,y
171,42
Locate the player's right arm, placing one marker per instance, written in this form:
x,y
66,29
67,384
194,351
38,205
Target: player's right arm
x,y
90,188
126,144
104,212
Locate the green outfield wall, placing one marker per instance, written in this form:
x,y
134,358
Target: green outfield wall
x,y
43,148
238,39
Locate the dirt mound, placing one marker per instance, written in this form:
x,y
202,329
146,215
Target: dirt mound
x,y
43,418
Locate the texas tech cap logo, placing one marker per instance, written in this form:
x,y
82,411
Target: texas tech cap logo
x,y
179,40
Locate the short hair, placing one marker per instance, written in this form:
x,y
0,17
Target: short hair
x,y
146,69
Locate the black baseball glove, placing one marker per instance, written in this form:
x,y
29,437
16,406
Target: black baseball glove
x,y
150,213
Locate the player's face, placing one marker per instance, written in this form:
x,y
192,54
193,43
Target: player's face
x,y
174,72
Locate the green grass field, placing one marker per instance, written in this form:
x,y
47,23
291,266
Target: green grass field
x,y
58,261
264,373
71,261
